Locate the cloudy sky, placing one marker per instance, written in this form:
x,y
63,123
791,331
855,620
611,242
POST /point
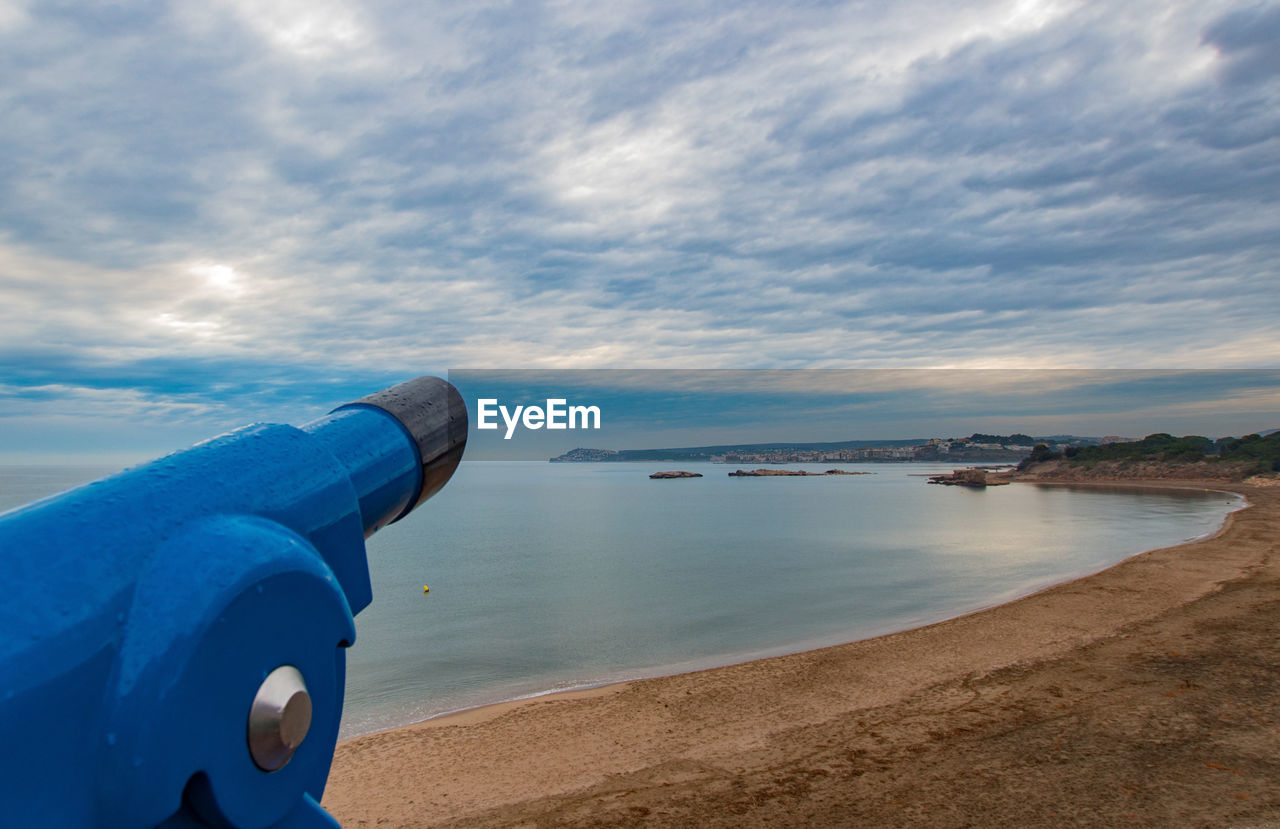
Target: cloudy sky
x,y
224,211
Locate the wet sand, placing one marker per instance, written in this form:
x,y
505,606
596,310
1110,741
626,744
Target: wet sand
x,y
1145,695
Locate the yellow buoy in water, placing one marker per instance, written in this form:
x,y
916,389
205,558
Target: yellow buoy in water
x,y
426,589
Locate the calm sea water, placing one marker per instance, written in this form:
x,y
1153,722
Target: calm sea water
x,y
553,576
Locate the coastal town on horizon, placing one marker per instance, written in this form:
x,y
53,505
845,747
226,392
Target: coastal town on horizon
x,y
976,448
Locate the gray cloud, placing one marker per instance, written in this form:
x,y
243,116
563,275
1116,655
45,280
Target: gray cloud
x,y
1248,38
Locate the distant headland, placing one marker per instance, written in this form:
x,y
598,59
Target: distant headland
x,y
1156,457
1054,458
976,448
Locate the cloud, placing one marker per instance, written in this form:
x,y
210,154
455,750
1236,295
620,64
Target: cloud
x,y
328,193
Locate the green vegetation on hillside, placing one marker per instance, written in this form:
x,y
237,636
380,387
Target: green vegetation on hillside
x,y
1257,453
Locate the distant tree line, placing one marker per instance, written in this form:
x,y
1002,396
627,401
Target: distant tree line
x,y
1262,454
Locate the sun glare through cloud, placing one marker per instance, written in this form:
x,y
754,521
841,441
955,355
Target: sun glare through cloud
x,y
221,278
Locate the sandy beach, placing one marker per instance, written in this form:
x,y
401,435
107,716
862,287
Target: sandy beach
x,y
1145,695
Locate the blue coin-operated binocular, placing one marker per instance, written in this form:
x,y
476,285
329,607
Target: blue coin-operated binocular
x,y
171,638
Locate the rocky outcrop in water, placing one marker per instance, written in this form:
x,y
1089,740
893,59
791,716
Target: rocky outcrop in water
x,y
789,473
675,473
975,478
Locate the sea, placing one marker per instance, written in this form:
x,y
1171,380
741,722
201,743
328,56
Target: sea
x,y
549,577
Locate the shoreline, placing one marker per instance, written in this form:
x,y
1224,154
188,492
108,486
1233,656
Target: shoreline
x,y
697,665
513,762
488,710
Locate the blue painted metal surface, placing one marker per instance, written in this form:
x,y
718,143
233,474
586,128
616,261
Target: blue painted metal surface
x,y
141,613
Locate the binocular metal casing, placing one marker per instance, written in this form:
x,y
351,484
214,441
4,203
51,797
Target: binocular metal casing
x,y
172,637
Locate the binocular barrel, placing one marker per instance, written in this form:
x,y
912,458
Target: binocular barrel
x,y
390,484
174,648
